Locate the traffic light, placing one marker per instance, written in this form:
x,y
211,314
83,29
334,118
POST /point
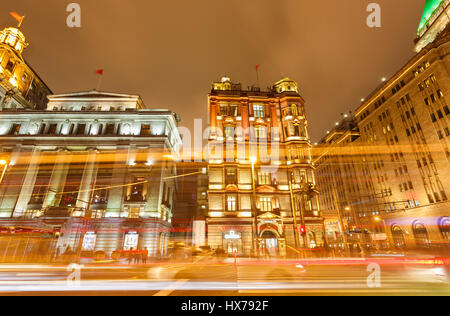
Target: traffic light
x,y
303,230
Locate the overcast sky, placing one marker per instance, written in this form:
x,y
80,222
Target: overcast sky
x,y
170,51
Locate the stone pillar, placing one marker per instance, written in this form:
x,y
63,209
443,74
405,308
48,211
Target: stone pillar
x,y
115,196
57,179
87,180
28,183
12,182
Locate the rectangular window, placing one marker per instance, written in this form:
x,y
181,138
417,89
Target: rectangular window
x,y
433,117
264,178
231,203
15,129
81,129
229,132
260,132
10,66
266,204
224,110
52,129
109,129
234,110
145,130
258,111
231,176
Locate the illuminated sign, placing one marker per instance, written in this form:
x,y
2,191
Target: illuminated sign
x,y
131,241
89,241
232,235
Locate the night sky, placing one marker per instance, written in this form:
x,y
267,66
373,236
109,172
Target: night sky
x,y
169,51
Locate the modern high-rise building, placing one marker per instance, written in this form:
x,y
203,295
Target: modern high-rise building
x,y
20,86
389,161
260,171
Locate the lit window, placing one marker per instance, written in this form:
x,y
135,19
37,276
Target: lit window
x,y
264,178
231,203
258,111
265,204
260,132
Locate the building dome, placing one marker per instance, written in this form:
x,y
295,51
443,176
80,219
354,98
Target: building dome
x,y
13,37
286,85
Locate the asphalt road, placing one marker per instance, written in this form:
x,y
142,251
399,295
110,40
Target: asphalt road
x,y
211,278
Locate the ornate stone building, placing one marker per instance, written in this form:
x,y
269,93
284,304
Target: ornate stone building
x,y
20,86
391,166
93,165
260,171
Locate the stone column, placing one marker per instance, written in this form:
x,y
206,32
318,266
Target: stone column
x,y
28,183
10,186
57,179
87,180
115,196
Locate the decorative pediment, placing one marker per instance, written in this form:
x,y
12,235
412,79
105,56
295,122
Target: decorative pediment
x,y
269,215
232,188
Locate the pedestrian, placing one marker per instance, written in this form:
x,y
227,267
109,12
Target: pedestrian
x,y
130,256
266,253
137,256
145,255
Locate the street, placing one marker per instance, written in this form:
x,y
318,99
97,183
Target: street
x,y
205,277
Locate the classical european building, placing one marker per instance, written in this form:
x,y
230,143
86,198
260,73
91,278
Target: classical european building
x,y
260,171
389,163
93,165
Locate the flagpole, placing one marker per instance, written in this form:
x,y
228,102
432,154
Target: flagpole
x,y
21,21
99,82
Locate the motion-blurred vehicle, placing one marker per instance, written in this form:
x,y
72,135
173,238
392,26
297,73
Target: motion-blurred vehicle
x,y
429,268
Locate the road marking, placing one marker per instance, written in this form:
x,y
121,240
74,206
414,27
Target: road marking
x,y
174,286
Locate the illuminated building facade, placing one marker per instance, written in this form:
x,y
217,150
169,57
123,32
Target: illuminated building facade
x,y
391,168
20,86
260,171
435,18
96,167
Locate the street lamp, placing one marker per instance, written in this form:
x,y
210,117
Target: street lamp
x,y
378,220
255,244
294,214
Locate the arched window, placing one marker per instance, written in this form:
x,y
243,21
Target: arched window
x,y
421,235
399,238
444,227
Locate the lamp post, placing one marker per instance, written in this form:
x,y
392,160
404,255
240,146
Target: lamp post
x,y
255,244
379,219
341,222
294,213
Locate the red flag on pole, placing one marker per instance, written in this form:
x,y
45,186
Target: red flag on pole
x,y
18,17
99,72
